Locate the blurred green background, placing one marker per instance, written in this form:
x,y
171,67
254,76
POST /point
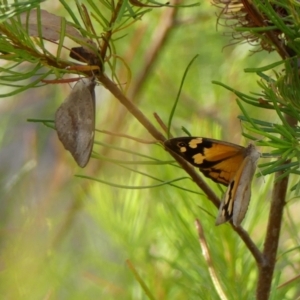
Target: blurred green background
x,y
64,237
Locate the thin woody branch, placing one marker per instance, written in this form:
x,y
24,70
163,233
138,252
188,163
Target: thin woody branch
x,y
130,106
266,269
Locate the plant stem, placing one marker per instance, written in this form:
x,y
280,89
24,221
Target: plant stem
x,y
266,269
132,108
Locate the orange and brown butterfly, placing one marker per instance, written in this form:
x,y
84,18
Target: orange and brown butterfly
x,y
226,163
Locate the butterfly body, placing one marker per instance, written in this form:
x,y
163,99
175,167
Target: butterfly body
x,y
226,163
75,121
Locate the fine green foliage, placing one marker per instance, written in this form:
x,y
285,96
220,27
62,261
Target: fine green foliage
x,y
124,227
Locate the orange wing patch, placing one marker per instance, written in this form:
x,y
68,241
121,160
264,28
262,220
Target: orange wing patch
x,y
217,160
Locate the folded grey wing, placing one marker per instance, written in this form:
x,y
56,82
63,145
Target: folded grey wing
x,y
75,123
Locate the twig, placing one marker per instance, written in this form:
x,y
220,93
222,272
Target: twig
x,y
113,88
257,254
107,37
288,282
266,269
160,122
206,255
140,280
159,38
132,108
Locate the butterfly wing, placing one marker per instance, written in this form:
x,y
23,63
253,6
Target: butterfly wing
x,y
237,197
216,159
75,121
